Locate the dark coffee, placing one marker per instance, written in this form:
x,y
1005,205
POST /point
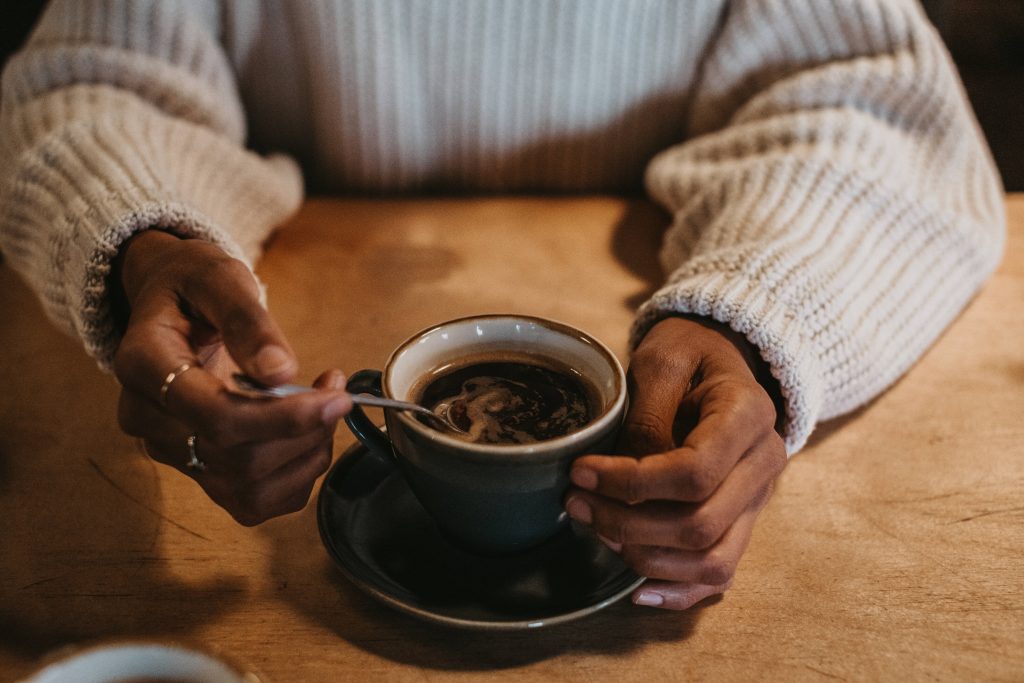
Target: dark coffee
x,y
510,401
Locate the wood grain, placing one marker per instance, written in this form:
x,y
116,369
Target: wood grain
x,y
892,548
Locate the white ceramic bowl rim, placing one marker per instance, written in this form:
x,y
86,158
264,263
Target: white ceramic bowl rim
x,y
119,660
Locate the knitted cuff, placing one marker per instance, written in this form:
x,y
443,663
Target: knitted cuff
x,y
113,167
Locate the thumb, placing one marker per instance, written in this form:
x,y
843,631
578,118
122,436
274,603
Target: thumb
x,y
230,302
659,377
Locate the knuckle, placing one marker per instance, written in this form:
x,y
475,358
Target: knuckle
x,y
696,483
760,411
700,531
762,496
777,457
247,518
219,267
128,358
635,489
298,503
238,321
771,458
648,432
718,569
660,358
249,509
324,462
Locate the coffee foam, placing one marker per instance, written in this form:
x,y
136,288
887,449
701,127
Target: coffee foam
x,y
491,409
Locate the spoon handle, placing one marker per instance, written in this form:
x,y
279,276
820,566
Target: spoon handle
x,y
379,402
249,385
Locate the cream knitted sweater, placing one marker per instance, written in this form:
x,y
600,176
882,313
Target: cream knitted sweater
x,y
832,197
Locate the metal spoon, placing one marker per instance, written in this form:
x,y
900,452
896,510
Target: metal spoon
x,y
251,386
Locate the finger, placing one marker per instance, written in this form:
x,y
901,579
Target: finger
x,y
713,566
228,420
652,523
283,491
733,416
138,416
253,462
684,525
202,401
156,342
225,293
657,381
675,596
675,357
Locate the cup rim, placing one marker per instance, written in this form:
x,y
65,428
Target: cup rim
x,y
610,414
66,654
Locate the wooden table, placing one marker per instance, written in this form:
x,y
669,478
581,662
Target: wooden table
x,y
891,550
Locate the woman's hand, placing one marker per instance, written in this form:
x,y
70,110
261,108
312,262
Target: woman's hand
x,y
682,515
190,303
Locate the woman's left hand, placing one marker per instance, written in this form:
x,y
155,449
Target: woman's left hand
x,y
682,515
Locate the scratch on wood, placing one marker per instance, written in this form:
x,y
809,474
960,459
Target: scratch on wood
x,y
141,504
824,673
923,499
986,514
39,582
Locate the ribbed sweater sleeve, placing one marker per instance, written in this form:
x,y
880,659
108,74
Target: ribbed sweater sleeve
x,y
118,117
836,203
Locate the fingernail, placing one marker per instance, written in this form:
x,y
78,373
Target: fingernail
x,y
615,547
584,478
649,600
334,410
579,510
339,381
272,360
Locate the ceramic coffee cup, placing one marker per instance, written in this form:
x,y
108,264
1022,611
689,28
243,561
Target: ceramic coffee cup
x,y
491,499
130,660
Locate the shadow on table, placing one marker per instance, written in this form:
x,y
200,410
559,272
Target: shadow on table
x,y
81,566
636,243
826,430
339,606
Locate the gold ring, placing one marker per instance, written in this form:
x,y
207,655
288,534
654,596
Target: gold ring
x,y
171,376
194,463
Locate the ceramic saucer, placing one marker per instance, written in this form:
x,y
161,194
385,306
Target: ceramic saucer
x,y
386,544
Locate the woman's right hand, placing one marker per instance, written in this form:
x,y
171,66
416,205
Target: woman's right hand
x,y
190,303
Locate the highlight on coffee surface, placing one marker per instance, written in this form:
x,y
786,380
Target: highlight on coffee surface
x,y
511,399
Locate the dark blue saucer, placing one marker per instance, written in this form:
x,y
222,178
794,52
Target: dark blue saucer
x,y
387,545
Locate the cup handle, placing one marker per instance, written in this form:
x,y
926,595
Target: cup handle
x,y
367,382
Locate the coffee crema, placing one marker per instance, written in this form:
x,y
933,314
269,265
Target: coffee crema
x,y
520,401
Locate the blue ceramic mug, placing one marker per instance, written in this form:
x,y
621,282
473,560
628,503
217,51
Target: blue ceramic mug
x,y
490,498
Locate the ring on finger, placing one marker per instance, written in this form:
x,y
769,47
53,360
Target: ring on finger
x,y
171,376
194,463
